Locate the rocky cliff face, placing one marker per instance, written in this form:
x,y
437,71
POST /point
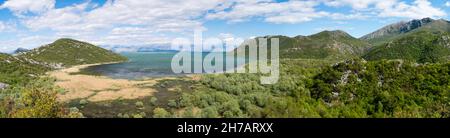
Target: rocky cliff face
x,y
397,28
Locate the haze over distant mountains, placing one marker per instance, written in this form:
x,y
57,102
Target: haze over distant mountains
x,y
141,48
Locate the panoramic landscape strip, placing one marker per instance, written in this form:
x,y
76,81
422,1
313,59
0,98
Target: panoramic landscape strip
x,y
179,59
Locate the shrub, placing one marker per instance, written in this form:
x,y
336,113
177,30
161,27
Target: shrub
x,y
74,113
139,104
172,103
153,101
210,112
83,102
160,113
37,100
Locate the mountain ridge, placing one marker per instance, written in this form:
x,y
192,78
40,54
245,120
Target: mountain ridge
x,y
335,44
427,43
396,30
67,52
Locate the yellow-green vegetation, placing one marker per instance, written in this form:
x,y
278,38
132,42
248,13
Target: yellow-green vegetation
x,y
160,113
69,52
37,99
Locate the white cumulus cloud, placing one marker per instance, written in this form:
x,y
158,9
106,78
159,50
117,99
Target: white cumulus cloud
x,y
391,8
418,9
23,6
270,11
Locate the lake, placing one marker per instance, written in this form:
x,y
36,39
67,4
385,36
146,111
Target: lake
x,y
141,65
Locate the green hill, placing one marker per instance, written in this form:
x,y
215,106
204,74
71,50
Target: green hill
x,y
323,45
69,52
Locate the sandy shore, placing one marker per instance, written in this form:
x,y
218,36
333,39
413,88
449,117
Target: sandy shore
x,y
100,88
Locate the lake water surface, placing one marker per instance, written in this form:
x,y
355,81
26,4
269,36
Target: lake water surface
x,y
141,65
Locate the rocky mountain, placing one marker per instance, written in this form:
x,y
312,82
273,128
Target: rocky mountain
x,y
20,50
324,45
425,40
397,30
68,52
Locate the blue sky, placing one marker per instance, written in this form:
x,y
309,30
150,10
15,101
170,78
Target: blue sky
x,y
32,23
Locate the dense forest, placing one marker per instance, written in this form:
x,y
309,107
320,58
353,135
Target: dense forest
x,y
319,89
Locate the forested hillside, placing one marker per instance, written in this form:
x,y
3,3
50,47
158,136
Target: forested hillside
x,y
319,89
15,70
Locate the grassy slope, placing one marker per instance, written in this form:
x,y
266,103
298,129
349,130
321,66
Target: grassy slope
x,y
71,52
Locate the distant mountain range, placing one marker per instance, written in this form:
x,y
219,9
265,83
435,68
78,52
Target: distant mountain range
x,y
143,48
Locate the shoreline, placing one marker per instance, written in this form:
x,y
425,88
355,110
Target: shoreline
x,y
100,88
77,68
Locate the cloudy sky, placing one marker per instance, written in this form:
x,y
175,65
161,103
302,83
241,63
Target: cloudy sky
x,y
31,23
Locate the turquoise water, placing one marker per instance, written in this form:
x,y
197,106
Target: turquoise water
x,y
141,65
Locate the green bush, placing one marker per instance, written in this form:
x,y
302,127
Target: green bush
x,y
160,113
172,103
83,102
37,100
139,104
154,101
